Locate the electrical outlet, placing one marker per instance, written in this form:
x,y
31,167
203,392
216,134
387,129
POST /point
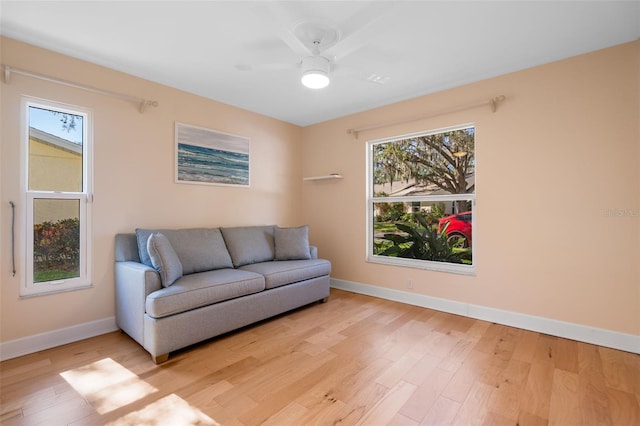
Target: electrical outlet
x,y
409,283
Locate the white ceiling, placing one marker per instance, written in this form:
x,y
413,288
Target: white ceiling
x,y
242,52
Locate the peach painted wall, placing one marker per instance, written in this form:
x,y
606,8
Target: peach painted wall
x,y
133,176
557,224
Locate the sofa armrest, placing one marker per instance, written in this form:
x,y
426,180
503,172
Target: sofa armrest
x,y
313,250
134,282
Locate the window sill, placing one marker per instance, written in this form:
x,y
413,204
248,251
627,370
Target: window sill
x,y
27,294
453,268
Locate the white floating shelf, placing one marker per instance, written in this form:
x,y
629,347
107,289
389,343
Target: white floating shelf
x,y
325,177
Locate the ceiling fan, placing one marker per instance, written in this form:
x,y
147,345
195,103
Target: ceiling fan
x,y
315,39
320,45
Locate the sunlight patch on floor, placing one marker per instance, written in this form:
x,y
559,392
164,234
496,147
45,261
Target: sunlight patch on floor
x,y
170,410
107,385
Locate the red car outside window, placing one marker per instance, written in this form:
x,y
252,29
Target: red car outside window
x,y
459,229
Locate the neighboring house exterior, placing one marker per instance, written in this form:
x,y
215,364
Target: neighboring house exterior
x,y
54,163
412,188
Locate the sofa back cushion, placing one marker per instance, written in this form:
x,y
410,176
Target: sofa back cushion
x,y
127,248
249,244
199,249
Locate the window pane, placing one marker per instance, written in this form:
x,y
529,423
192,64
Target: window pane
x,y
431,164
424,230
56,239
55,150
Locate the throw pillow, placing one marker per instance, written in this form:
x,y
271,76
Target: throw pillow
x,y
292,243
164,258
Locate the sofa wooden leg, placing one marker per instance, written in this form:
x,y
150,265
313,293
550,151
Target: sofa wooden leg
x,y
160,358
325,300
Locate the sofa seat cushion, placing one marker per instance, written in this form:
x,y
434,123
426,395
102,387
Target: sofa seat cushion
x,y
283,272
202,289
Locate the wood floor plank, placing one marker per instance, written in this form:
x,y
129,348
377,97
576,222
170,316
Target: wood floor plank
x,y
404,337
537,393
624,408
474,409
11,416
278,393
442,412
474,367
619,371
426,394
400,420
354,360
399,369
289,415
20,399
509,392
327,412
592,389
386,408
421,370
352,385
333,375
505,404
66,411
526,345
528,419
458,354
495,419
566,355
565,405
365,401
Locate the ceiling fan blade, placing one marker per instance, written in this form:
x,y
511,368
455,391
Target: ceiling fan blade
x,y
265,67
282,25
294,44
373,21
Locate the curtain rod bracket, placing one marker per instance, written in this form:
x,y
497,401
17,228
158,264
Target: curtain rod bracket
x,y
145,103
495,101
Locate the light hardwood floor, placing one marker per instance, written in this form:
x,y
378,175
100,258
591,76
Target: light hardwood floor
x,y
353,360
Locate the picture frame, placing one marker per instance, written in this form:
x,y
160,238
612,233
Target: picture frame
x,y
210,157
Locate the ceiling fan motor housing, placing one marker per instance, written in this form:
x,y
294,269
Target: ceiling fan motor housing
x,y
315,72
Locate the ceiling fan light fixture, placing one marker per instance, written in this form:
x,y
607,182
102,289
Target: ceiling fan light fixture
x,y
315,72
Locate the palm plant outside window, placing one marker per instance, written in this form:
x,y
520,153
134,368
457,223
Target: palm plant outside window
x,y
421,194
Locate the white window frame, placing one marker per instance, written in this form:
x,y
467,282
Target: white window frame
x,y
371,200
84,197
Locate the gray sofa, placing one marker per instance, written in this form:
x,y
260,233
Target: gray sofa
x,y
178,287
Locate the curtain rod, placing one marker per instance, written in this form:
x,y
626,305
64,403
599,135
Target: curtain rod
x,y
493,102
143,103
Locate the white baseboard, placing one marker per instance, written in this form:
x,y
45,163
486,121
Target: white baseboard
x,y
51,339
582,333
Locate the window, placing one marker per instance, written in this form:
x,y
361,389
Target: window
x,y
420,200
57,144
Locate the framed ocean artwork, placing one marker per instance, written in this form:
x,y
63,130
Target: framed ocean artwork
x,y
210,157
